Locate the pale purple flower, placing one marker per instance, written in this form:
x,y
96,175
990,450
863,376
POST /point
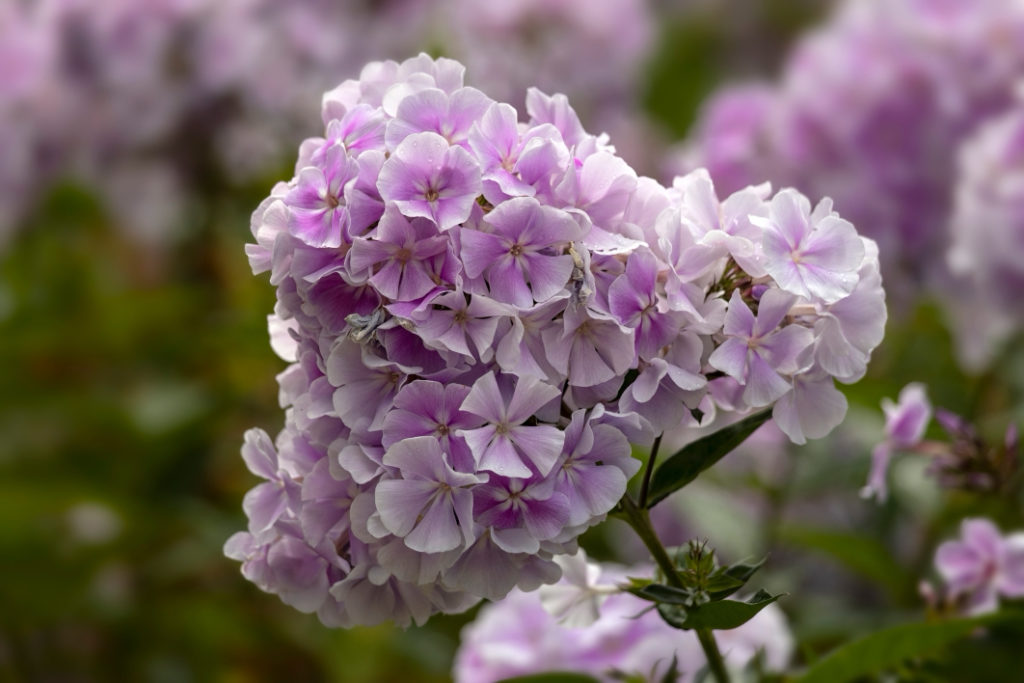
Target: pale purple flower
x,y
590,350
365,384
905,424
811,409
316,203
425,408
592,474
430,505
521,513
427,178
505,445
405,259
266,503
813,255
982,565
633,300
757,353
669,386
521,256
432,110
464,327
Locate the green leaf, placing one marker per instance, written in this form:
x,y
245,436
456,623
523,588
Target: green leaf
x,y
683,466
721,615
553,677
891,646
738,574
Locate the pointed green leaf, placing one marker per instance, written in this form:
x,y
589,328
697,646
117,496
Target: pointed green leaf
x,y
890,647
720,615
683,466
739,572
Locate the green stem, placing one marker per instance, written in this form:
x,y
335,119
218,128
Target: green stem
x,y
648,471
715,661
639,519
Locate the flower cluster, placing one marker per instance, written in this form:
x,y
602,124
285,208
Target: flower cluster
x,y
519,636
987,253
104,91
870,110
483,312
980,567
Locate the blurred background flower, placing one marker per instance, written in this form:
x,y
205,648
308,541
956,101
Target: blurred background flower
x,y
137,136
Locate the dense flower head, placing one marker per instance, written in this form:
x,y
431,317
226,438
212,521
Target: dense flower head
x,y
520,636
870,109
481,314
981,566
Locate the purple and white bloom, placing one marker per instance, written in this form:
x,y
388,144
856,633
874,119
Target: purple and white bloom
x,y
982,566
521,257
634,301
757,352
905,424
596,465
813,255
316,204
426,408
432,110
426,177
404,260
265,503
590,350
473,351
505,445
430,505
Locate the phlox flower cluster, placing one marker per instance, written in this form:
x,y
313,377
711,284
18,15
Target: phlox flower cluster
x,y
519,636
987,252
981,567
145,101
483,312
870,110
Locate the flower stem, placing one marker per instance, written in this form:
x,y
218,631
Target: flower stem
x,y
648,471
639,519
715,661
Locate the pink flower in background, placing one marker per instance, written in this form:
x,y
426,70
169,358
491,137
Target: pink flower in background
x,y
582,624
872,109
905,424
987,234
982,566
